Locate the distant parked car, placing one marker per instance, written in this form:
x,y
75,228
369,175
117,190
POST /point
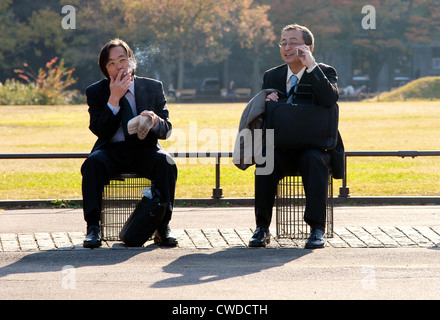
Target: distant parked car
x,y
400,81
210,87
361,81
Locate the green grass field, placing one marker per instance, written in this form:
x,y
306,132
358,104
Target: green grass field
x,y
365,126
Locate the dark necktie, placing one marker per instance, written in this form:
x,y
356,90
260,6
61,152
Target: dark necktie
x,y
126,115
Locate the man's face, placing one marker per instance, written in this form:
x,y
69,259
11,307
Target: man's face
x,y
117,61
290,40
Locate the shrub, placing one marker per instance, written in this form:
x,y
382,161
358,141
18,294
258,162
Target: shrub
x,y
47,87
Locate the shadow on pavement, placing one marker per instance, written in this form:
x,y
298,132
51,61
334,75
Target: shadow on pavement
x,y
56,260
199,268
187,269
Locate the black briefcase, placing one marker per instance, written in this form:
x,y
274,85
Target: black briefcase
x,y
143,221
303,124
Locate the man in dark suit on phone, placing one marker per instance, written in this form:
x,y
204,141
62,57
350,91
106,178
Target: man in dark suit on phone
x,y
314,165
112,102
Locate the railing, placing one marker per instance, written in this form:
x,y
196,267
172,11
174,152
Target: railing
x,y
217,192
344,191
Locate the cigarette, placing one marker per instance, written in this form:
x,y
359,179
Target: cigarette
x,y
128,71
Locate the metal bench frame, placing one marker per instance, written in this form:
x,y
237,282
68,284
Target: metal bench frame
x,y
290,203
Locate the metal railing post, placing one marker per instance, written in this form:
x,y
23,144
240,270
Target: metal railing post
x,y
217,192
344,191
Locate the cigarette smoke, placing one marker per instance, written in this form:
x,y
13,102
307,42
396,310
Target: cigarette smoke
x,y
131,66
144,58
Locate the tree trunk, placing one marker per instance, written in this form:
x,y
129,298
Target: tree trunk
x,y
256,76
180,70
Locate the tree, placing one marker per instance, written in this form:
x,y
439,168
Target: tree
x,y
337,25
326,20
400,25
423,22
15,39
185,30
195,31
254,33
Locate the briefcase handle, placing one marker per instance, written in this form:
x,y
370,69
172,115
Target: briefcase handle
x,y
302,92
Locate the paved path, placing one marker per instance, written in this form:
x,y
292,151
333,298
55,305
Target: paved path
x,y
376,253
223,228
226,238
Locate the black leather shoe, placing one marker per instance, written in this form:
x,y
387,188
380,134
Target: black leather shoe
x,y
92,240
315,240
163,237
260,238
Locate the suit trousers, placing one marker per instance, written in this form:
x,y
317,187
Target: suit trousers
x,y
112,159
314,166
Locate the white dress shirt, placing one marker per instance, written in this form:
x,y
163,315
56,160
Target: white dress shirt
x,y
298,75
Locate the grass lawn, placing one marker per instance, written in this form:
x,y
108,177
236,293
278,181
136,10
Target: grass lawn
x,y
365,126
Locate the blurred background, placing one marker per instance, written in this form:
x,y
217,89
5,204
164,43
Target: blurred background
x,y
208,46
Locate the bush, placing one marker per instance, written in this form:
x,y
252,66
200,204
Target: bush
x,y
48,87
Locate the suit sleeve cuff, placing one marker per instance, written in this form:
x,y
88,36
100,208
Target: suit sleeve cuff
x,y
155,129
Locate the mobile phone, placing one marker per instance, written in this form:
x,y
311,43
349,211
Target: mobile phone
x,y
299,53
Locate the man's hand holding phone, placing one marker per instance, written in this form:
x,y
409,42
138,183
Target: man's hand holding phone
x,y
305,55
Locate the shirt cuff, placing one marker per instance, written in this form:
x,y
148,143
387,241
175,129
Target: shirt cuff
x,y
314,65
114,109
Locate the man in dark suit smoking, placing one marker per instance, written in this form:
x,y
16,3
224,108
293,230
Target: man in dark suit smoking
x,y
113,101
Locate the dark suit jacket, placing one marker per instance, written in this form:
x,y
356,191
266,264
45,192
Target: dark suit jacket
x,y
149,95
322,83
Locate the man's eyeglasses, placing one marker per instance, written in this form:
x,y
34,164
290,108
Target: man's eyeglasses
x,y
284,44
114,63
